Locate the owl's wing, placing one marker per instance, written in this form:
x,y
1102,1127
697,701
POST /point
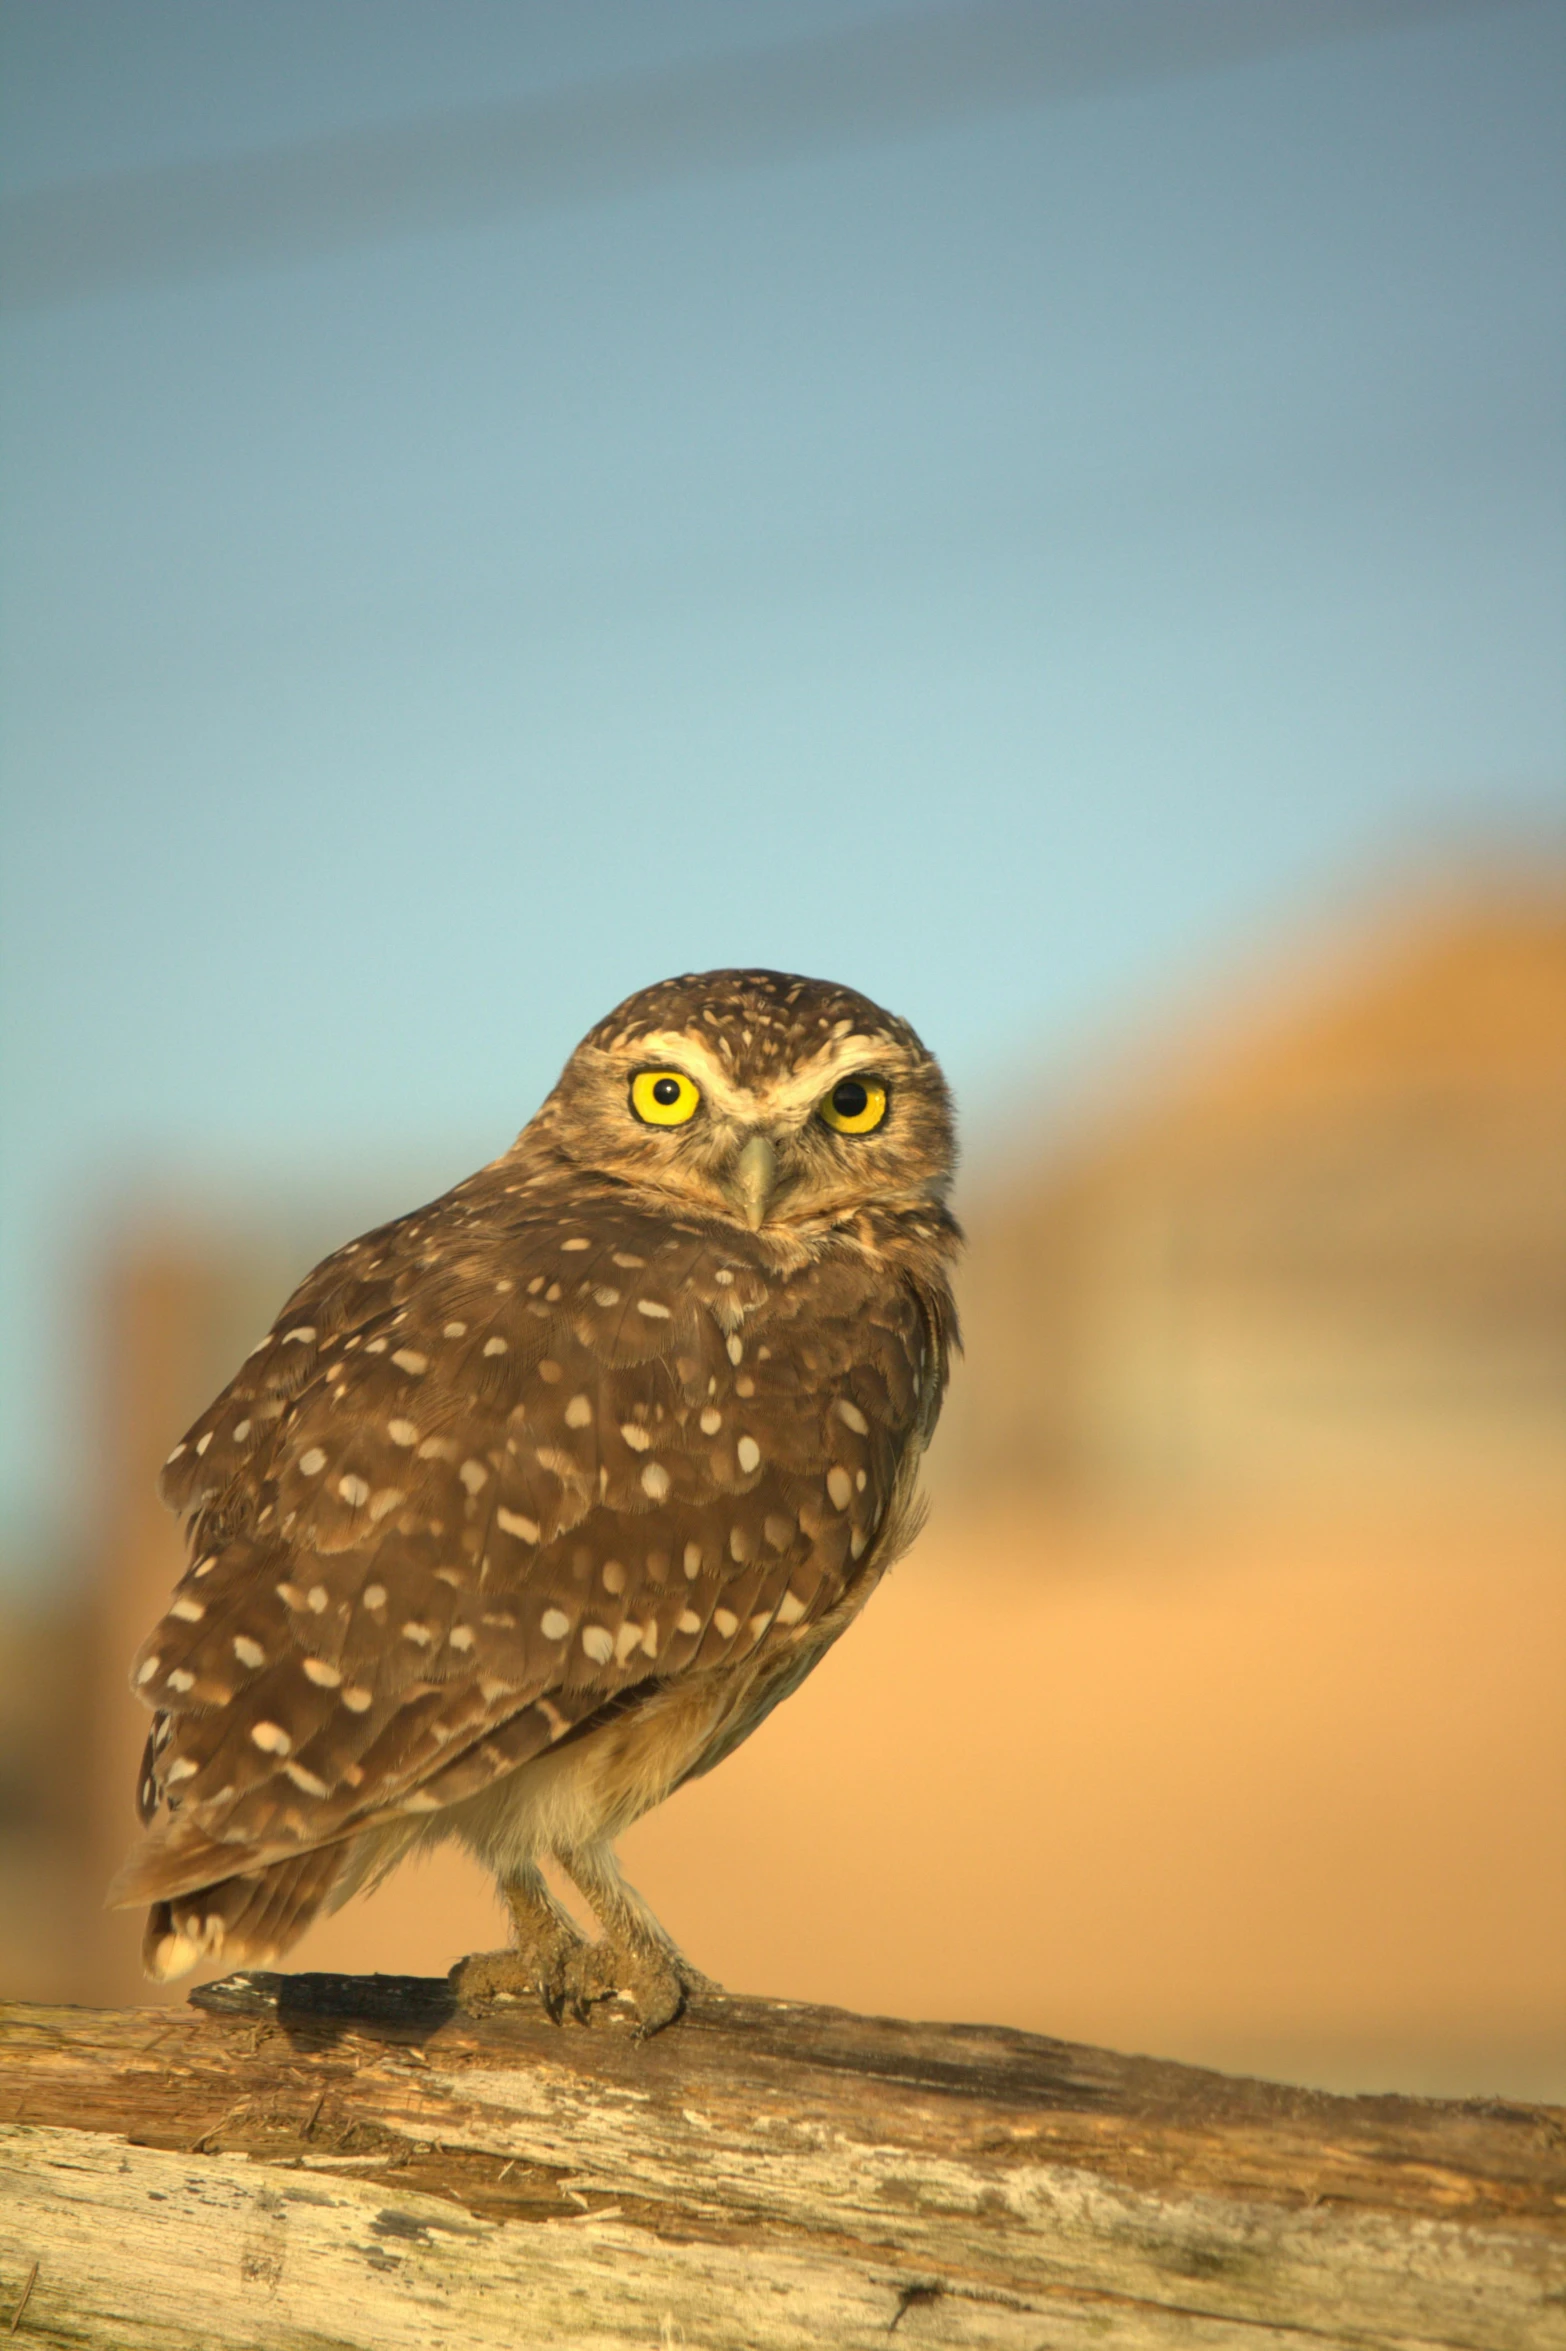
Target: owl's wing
x,y
494,1467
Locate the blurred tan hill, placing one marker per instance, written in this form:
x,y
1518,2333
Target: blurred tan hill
x,y
1329,1252
1221,1712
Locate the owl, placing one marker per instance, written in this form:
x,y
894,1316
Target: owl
x,y
533,1504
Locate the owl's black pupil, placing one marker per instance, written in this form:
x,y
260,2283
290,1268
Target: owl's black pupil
x,y
666,1091
849,1099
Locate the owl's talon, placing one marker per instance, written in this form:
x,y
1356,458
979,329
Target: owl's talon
x,y
658,1983
591,1974
541,1967
661,1989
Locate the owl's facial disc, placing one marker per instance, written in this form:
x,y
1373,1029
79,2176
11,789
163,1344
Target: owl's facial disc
x,y
766,1114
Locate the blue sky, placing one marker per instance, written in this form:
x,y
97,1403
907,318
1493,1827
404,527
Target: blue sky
x,y
1019,566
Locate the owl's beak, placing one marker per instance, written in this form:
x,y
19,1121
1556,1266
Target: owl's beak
x,y
753,1180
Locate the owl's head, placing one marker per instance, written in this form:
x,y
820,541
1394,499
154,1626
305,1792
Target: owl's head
x,y
760,1097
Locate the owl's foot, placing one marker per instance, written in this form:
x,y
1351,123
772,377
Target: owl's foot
x,y
635,1959
487,1976
653,1975
547,1948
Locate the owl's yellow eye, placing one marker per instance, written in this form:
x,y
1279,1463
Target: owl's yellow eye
x,y
664,1097
855,1105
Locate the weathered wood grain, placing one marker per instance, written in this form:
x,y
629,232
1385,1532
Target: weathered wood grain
x,y
314,2161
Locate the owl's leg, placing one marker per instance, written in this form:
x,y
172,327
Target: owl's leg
x,y
547,1947
635,1955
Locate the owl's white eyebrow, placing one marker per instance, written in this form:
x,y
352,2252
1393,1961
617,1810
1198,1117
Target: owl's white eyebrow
x,y
792,1090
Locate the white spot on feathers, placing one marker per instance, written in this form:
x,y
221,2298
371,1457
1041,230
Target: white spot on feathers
x,y
271,1738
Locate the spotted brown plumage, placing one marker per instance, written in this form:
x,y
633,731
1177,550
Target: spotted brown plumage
x,y
533,1503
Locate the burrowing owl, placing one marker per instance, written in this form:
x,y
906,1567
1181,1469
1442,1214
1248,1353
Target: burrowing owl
x,y
534,1503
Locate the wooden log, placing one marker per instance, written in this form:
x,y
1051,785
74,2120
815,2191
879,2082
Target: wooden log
x,y
296,2162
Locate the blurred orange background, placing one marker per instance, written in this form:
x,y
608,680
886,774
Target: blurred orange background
x,y
1220,1712
1000,502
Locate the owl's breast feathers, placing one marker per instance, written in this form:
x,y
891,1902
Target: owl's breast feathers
x,y
534,1453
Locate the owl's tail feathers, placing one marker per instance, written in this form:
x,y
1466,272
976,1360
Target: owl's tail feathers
x,y
241,1920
